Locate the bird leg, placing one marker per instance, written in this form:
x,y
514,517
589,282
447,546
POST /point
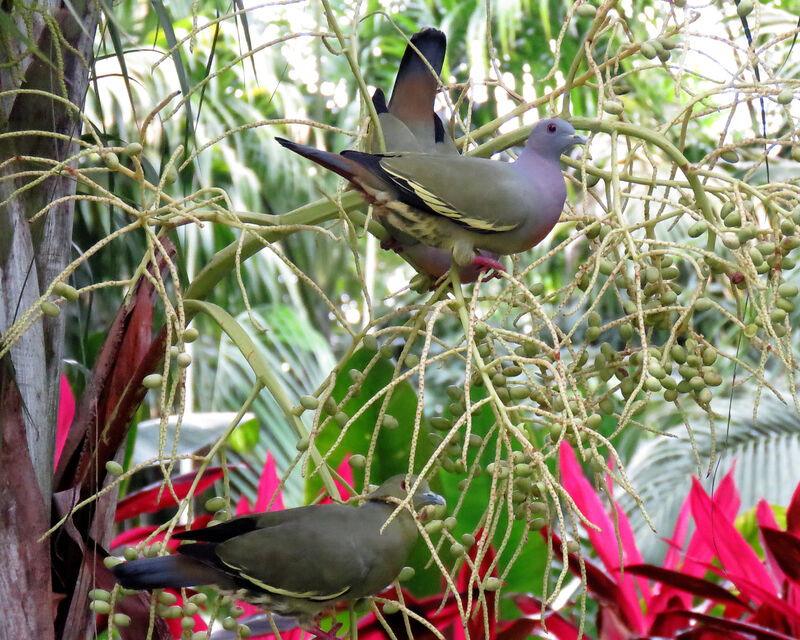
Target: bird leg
x,y
484,263
391,244
319,634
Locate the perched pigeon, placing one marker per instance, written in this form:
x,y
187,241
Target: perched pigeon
x,y
459,203
297,562
409,123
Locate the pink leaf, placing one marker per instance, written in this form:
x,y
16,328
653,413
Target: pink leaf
x,y
269,487
604,542
672,559
757,631
345,471
155,497
793,512
66,412
716,529
700,552
765,517
785,548
133,536
610,626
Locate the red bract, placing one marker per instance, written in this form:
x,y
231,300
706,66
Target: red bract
x,y
156,496
752,600
66,412
269,497
442,611
133,536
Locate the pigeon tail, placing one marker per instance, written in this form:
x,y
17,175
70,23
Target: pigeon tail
x,y
335,162
416,83
174,572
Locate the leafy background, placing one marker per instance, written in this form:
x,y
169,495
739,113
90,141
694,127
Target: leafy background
x,y
307,299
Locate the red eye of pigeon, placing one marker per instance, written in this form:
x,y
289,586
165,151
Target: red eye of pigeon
x,y
551,128
403,485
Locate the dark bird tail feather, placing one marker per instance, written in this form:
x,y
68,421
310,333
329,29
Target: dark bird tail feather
x,y
358,170
431,43
174,571
331,161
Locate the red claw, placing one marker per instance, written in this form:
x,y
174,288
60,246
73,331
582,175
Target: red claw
x,y
318,633
391,244
485,263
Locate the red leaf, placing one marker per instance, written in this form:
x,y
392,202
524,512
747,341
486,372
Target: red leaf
x,y
114,390
793,512
133,536
136,605
705,633
761,597
445,618
765,517
736,556
346,473
726,501
762,633
785,548
690,584
667,624
604,542
600,585
269,487
672,558
258,623
556,624
487,562
521,629
66,412
155,497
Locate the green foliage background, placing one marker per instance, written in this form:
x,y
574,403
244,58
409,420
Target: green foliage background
x,y
647,259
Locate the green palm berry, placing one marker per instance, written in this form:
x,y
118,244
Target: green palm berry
x,y
648,50
614,107
703,304
698,228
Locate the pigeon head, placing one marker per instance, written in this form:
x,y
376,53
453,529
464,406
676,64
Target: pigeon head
x,y
550,138
397,488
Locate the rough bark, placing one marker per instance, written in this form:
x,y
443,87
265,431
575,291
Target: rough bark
x,y
25,578
32,254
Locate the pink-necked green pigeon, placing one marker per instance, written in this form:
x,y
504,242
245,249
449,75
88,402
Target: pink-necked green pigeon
x,y
461,204
297,562
409,123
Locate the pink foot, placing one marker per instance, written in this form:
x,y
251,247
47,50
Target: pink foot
x,y
484,263
318,633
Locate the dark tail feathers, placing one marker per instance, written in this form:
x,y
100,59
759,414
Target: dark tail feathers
x,y
331,161
174,571
432,44
379,101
